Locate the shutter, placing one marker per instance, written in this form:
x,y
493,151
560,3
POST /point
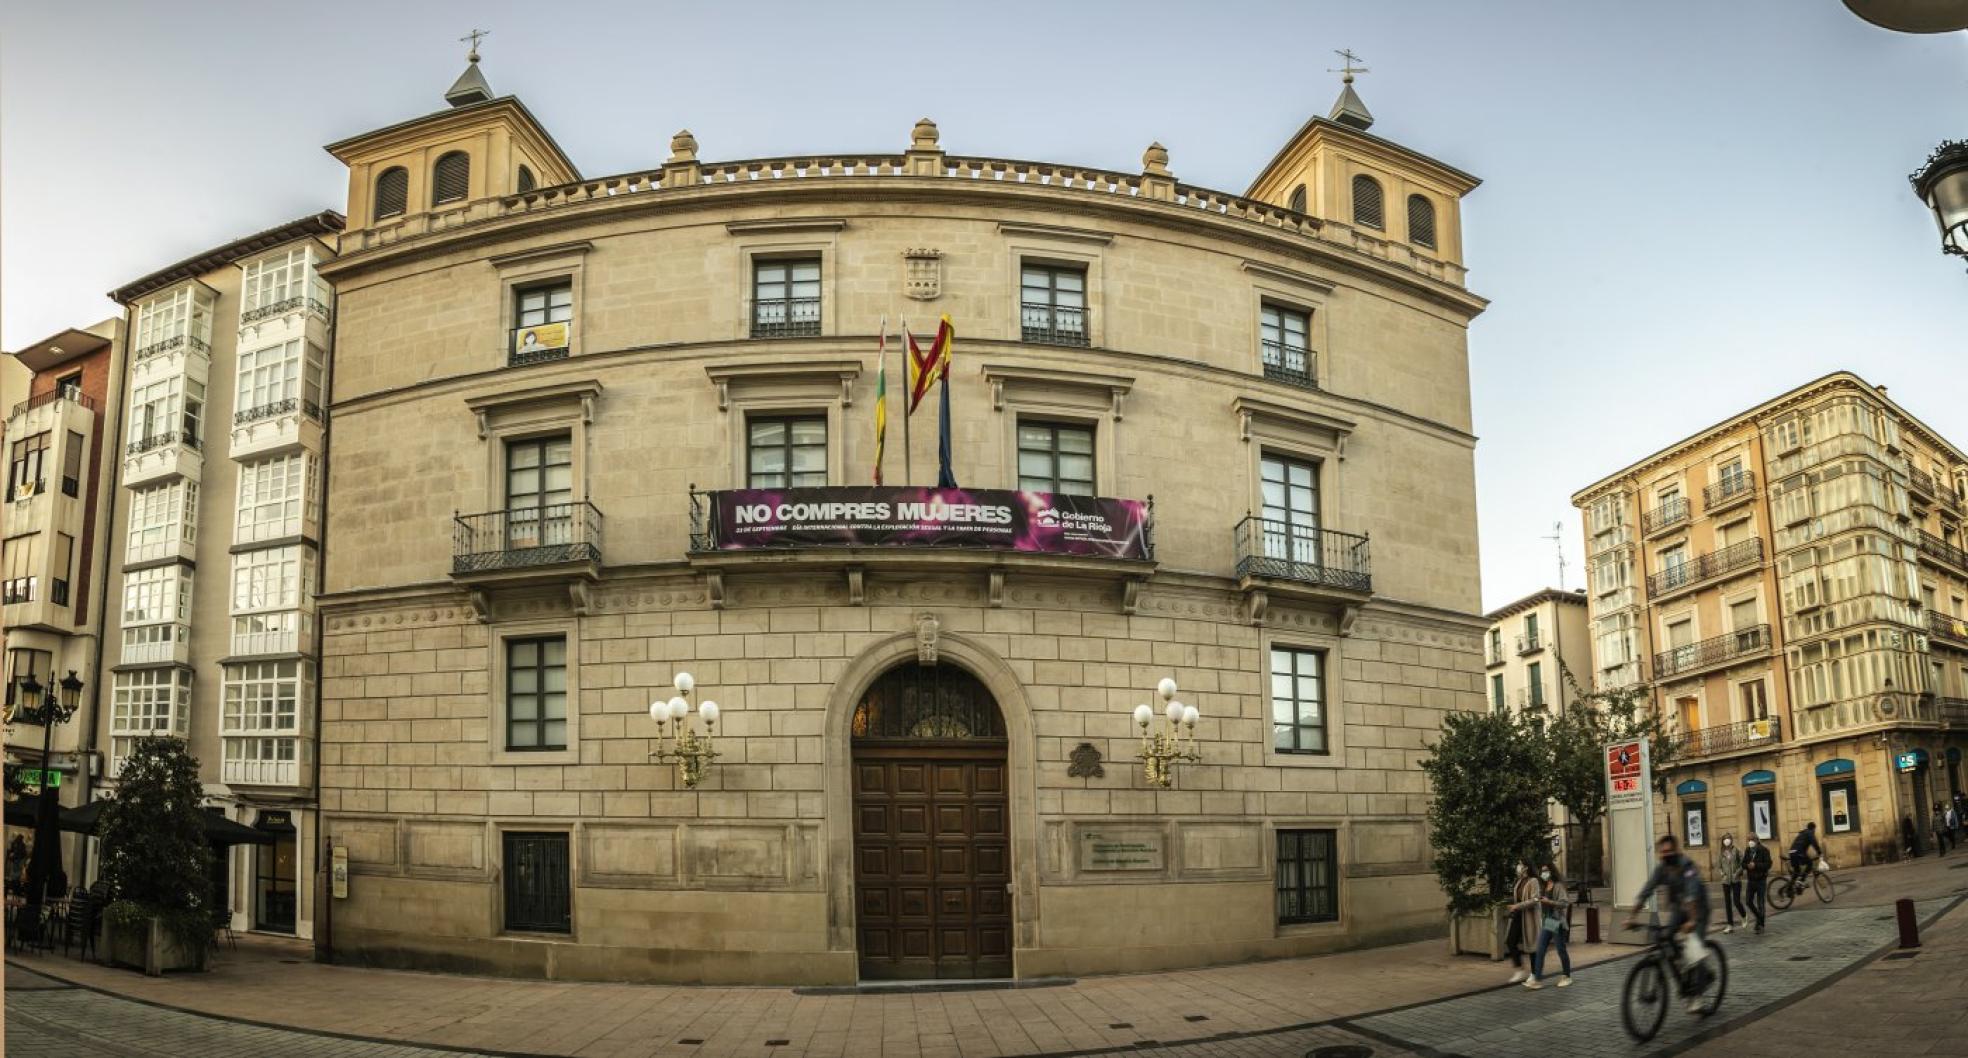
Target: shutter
x,y
1421,221
451,178
392,192
1367,207
525,179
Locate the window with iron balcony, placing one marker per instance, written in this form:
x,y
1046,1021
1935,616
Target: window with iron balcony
x,y
280,283
167,411
180,320
1285,346
786,298
543,322
279,380
1053,306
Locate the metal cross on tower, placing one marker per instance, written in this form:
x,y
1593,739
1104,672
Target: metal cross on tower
x,y
1349,69
473,38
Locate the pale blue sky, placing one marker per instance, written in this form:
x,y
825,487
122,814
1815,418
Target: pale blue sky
x,y
1687,206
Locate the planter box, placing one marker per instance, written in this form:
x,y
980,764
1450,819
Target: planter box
x,y
150,949
1479,934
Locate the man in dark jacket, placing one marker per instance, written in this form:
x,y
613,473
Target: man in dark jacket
x,y
1686,894
1756,876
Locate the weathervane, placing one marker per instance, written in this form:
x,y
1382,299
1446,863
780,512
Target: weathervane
x,y
474,37
1350,69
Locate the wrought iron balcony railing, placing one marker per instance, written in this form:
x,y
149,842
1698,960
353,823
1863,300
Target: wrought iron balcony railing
x,y
1290,364
1493,655
1530,643
1743,642
786,318
1530,698
1936,548
1920,483
1049,324
1951,710
171,344
272,409
59,393
159,440
519,355
1948,626
519,539
1735,557
284,306
1729,491
1728,738
1671,513
1270,548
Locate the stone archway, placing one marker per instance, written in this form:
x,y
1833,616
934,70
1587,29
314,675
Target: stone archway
x,y
1017,768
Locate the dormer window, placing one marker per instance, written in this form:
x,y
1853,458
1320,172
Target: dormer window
x,y
1369,209
1421,221
451,178
392,192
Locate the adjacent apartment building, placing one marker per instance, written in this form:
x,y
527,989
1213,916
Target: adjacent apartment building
x,y
1791,585
564,405
1530,645
215,544
60,446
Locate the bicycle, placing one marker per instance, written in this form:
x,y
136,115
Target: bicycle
x,y
1786,889
1643,1003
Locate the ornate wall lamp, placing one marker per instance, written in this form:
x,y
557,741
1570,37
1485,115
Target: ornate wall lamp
x,y
675,738
1171,742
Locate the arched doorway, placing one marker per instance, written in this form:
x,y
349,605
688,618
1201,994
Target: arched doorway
x,y
932,837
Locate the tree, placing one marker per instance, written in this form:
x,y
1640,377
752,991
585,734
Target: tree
x,y
1488,813
155,853
1575,750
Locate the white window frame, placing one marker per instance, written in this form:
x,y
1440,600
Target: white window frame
x,y
162,519
273,374
276,499
184,312
147,703
279,276
158,595
264,698
163,406
274,578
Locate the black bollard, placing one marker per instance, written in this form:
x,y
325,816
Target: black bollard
x,y
1592,924
1909,929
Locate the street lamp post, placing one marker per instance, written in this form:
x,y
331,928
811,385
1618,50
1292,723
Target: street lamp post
x,y
1943,184
52,709
1170,744
677,741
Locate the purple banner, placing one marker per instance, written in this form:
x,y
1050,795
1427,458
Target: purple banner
x,y
886,516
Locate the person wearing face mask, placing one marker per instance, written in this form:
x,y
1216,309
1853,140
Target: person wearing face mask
x,y
1756,864
1729,868
1554,927
1681,880
1523,919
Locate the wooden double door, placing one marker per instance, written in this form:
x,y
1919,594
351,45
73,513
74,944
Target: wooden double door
x,y
932,859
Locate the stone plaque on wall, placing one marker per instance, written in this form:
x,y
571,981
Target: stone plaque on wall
x,y
1117,849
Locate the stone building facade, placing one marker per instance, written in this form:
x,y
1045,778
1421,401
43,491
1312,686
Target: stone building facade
x,y
548,390
1792,584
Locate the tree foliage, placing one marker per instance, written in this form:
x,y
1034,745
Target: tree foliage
x,y
1488,813
155,853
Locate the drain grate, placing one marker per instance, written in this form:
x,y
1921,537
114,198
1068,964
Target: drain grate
x,y
1121,1025
1800,958
689,1042
1195,1017
1340,1050
777,1043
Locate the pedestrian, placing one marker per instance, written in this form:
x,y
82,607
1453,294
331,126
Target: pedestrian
x,y
1730,869
1756,875
1523,920
1909,839
1940,830
1554,927
1953,816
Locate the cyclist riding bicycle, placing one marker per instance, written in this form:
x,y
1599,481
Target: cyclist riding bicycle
x,y
1688,898
1804,851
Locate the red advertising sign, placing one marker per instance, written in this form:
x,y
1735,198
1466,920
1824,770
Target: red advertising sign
x,y
1626,771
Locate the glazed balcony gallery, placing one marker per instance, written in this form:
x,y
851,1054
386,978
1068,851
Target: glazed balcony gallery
x,y
682,618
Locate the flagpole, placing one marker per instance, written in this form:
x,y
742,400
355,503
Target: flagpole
x,y
908,475
881,401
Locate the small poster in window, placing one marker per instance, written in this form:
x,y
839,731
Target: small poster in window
x,y
1759,815
540,338
1841,811
1697,834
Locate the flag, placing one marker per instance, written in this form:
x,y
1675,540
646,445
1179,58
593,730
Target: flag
x,y
926,368
945,339
881,399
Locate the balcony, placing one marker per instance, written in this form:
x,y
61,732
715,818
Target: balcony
x,y
1290,364
1714,652
1940,550
1530,699
1921,485
1046,324
555,539
1728,492
786,318
53,396
1681,577
161,457
1283,551
297,304
1493,655
1951,711
279,632
1732,738
1530,643
1947,626
181,343
160,644
276,427
1664,517
538,345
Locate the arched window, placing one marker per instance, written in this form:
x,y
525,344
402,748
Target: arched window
x,y
1368,207
525,179
914,701
1298,198
1421,221
392,192
451,178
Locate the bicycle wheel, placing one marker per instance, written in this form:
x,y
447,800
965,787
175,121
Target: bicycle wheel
x,y
1822,884
1644,1004
1713,1000
1781,893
